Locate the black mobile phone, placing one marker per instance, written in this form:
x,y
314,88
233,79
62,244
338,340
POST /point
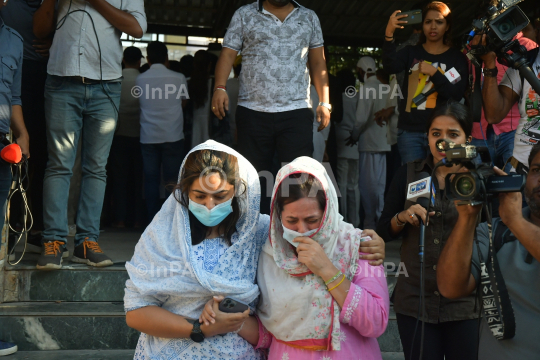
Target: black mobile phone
x,y
414,17
232,306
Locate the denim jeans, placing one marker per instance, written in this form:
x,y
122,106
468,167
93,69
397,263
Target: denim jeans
x,y
5,184
166,157
500,147
412,145
77,112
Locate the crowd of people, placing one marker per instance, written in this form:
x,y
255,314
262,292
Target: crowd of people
x,y
270,175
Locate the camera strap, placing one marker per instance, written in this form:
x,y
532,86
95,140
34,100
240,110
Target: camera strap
x,y
497,306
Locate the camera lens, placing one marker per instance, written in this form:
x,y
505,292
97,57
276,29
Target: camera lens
x,y
506,26
464,185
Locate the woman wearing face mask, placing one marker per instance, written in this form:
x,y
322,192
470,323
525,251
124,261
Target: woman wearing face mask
x,y
205,241
451,327
320,298
426,64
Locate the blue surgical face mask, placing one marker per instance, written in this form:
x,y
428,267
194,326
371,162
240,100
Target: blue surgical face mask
x,y
212,217
290,235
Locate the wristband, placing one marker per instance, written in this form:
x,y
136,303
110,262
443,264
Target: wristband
x,y
399,223
342,280
333,279
490,72
218,88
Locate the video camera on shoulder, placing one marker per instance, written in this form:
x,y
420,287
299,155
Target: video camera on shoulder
x,y
481,183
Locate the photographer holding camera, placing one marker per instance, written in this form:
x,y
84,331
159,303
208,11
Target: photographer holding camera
x,y
500,98
516,236
451,327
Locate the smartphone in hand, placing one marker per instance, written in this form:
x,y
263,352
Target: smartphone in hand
x,y
413,17
232,306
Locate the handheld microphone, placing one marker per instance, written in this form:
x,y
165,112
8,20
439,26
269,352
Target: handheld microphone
x,y
422,191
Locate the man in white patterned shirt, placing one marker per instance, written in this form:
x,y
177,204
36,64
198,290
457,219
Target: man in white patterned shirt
x,y
278,39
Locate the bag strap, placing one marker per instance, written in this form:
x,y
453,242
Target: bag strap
x,y
496,302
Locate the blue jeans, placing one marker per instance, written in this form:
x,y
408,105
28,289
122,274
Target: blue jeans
x,y
412,145
75,111
5,184
501,147
157,157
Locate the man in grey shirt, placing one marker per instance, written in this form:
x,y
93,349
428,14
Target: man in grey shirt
x,y
82,96
458,270
278,39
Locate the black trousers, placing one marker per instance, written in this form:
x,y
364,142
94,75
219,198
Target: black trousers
x,y
453,340
34,75
126,169
262,135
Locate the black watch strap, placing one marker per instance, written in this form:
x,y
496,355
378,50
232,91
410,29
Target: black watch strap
x,y
490,72
197,334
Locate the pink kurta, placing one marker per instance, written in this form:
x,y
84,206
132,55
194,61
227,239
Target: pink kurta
x,y
363,318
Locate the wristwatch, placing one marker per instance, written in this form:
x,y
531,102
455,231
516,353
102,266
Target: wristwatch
x,y
197,334
326,105
490,72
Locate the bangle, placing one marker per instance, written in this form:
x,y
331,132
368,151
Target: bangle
x,y
389,37
399,223
333,279
218,88
337,284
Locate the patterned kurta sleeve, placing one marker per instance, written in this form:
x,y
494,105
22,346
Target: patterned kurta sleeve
x,y
265,338
133,300
367,304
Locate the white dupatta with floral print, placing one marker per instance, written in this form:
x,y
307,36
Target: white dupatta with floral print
x,y
295,304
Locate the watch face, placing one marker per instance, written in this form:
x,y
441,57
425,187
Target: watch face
x,y
197,337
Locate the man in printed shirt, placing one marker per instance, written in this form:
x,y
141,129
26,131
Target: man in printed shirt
x,y
278,39
85,72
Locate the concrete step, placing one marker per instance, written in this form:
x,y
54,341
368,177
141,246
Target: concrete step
x,y
94,325
77,354
114,355
393,356
390,341
66,326
74,282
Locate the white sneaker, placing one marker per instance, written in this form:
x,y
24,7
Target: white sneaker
x,y
72,230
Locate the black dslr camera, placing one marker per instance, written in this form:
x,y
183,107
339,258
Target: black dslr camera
x,y
479,184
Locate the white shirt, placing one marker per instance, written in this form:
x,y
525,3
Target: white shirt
x,y
344,128
528,130
129,110
162,116
370,100
75,50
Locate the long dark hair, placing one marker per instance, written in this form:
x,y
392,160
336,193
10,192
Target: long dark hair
x,y
298,186
198,84
457,111
446,13
203,163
